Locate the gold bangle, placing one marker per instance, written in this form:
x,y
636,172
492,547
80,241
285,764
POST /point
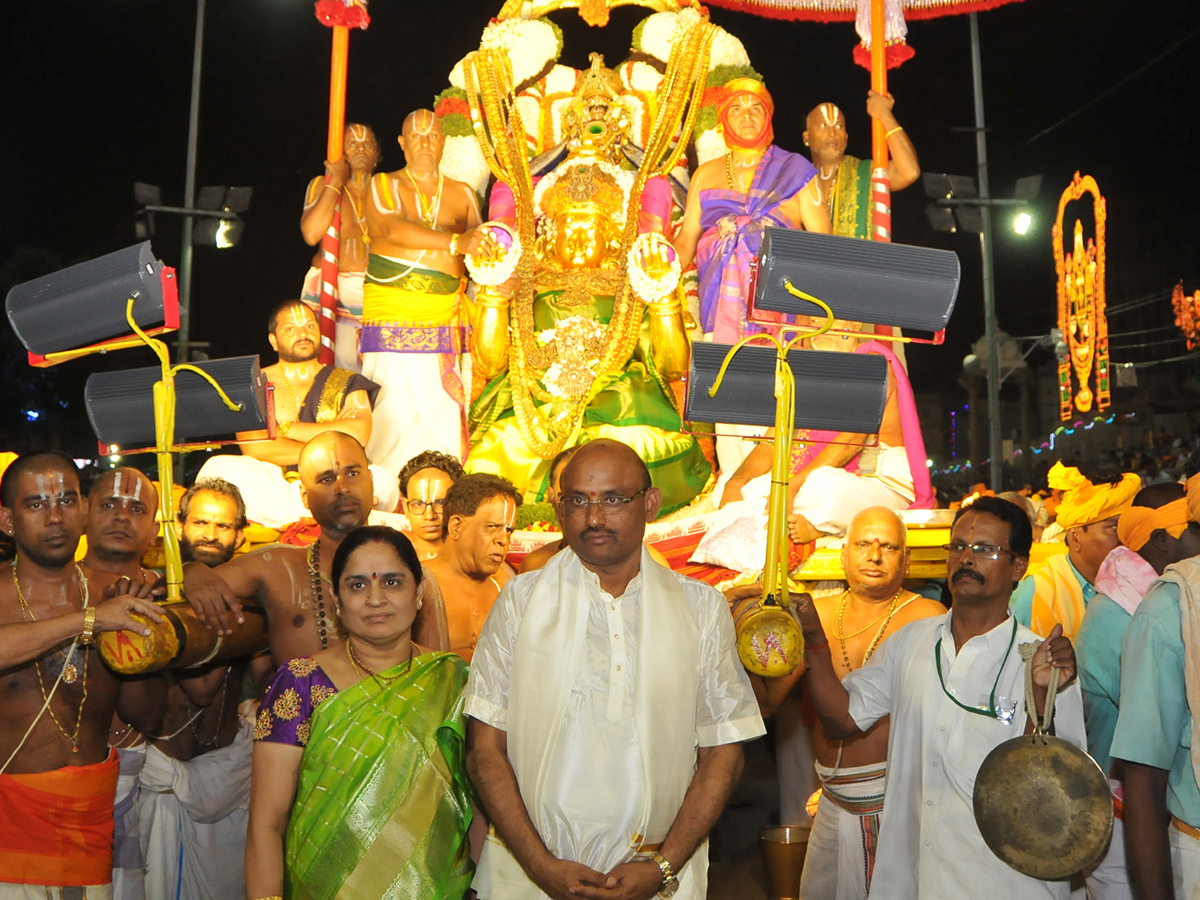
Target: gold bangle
x,y
89,626
282,428
339,190
454,244
888,134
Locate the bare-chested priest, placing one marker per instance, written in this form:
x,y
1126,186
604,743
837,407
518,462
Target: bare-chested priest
x,y
120,528
290,582
415,315
59,774
310,399
853,772
348,180
467,575
845,181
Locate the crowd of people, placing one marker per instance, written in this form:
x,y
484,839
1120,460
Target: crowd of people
x,y
424,721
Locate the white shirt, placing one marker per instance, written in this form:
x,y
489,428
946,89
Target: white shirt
x,y
596,765
929,844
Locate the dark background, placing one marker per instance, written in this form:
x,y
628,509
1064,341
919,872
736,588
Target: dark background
x,y
98,98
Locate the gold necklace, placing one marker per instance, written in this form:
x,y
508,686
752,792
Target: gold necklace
x,y
887,620
69,670
382,680
287,386
428,210
362,225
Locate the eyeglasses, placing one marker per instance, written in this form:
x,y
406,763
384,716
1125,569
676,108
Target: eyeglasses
x,y
979,551
574,506
418,507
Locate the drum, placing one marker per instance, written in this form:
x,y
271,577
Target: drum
x,y
180,641
769,640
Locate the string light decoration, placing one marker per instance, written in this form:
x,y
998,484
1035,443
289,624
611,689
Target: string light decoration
x,y
1187,315
1081,305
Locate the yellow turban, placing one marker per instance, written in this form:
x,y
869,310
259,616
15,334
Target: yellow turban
x,y
1138,522
1192,486
1083,502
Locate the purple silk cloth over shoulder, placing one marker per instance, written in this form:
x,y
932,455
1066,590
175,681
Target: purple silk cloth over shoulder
x,y
732,226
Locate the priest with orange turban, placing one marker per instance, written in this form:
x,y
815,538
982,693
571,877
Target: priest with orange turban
x,y
1058,592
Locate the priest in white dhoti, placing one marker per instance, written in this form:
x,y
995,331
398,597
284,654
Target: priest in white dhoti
x,y
607,706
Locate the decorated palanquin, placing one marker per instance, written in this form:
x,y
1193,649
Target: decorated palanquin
x,y
580,317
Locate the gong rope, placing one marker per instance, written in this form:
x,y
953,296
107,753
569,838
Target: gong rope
x,y
1040,726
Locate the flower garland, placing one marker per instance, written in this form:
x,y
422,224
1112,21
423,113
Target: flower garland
x,y
492,273
580,341
646,287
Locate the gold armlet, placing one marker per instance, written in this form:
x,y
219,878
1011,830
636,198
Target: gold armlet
x,y
282,428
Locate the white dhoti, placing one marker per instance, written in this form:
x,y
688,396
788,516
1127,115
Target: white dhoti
x,y
828,499
413,412
349,313
1185,863
128,862
194,817
1111,877
274,501
795,756
841,846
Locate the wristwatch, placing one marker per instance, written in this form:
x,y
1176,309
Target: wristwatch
x,y
670,884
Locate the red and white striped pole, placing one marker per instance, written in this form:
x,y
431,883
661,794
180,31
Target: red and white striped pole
x,y
881,186
330,241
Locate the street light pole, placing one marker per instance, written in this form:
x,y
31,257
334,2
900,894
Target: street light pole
x,y
189,194
989,283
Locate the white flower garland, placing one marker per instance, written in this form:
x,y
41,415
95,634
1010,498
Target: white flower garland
x,y
647,288
530,44
493,274
463,161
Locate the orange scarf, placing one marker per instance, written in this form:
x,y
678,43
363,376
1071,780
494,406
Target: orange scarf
x,y
56,828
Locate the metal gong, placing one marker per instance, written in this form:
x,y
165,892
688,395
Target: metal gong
x,y
1043,806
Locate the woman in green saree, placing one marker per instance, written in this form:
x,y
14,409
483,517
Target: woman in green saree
x,y
358,786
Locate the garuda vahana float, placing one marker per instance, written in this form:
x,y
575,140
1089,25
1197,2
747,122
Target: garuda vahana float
x,y
580,324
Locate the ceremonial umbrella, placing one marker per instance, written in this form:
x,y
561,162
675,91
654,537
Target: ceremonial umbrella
x,y
880,24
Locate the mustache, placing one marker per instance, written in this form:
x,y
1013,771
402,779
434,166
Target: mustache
x,y
966,573
608,532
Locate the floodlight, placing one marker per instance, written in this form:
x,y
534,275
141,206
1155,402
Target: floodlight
x,y
120,405
1021,223
81,309
862,281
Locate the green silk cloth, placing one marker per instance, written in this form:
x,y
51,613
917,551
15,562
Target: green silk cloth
x,y
634,406
851,209
383,803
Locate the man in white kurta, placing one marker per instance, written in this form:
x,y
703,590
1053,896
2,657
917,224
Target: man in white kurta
x,y
594,712
944,723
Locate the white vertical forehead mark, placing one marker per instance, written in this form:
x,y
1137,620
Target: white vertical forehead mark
x,y
422,121
127,486
830,113
358,132
510,513
297,314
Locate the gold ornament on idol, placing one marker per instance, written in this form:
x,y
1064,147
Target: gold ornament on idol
x,y
69,670
548,423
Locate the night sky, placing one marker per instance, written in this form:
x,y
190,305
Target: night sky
x,y
98,98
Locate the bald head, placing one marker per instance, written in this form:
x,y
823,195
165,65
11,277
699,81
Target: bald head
x,y
603,454
335,483
421,121
825,134
329,451
875,555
